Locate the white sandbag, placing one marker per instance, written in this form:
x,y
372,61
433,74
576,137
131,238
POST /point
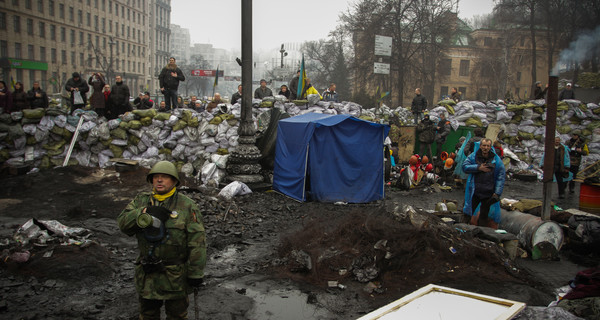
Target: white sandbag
x,y
191,133
83,157
502,116
233,141
119,142
212,130
464,117
528,128
454,124
17,153
83,145
103,131
16,162
236,188
20,142
133,150
187,169
142,147
127,154
207,141
46,123
157,123
136,133
595,137
172,120
219,160
30,129
40,135
207,172
178,152
97,148
212,148
151,152
60,121
164,133
87,126
113,124
480,115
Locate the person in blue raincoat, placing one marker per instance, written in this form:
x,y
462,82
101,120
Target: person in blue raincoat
x,y
484,185
562,164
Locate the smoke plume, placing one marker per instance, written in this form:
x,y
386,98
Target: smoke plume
x,y
580,49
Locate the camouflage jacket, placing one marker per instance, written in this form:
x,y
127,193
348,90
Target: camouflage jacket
x,y
183,252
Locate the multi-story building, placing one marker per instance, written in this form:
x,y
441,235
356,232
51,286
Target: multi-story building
x,y
160,21
48,40
180,44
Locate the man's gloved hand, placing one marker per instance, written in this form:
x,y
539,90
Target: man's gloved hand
x,y
495,198
195,283
161,213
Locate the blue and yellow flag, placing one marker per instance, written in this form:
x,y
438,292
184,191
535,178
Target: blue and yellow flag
x,y
301,80
12,82
216,78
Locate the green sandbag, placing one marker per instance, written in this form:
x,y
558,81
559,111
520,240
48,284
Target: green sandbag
x,y
124,125
538,110
54,145
526,135
266,104
58,162
596,111
15,131
164,151
34,113
4,155
563,129
106,143
524,205
57,130
300,102
133,140
222,151
145,113
186,115
31,140
119,133
5,118
146,121
447,102
474,121
162,116
450,109
116,150
227,116
45,163
54,153
216,120
179,125
135,124
193,122
586,132
366,118
593,125
233,122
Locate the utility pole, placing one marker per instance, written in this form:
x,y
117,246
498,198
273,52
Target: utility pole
x,y
109,72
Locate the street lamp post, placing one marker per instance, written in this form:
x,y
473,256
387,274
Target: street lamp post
x,y
110,63
283,54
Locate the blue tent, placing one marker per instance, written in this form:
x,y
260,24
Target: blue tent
x,y
335,157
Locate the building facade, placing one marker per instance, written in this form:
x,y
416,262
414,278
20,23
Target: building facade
x,y
48,40
180,43
160,21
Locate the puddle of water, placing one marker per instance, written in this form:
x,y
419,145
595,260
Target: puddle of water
x,y
280,304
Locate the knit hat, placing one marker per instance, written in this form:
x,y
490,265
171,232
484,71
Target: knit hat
x,y
75,74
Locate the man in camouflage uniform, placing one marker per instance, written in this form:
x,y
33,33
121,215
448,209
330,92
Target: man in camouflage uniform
x,y
172,243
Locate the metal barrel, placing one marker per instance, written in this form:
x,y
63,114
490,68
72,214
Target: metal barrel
x,y
531,230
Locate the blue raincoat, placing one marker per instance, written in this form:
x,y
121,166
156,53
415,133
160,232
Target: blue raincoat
x,y
567,164
470,167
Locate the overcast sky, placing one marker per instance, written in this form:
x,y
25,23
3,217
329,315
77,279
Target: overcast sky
x,y
274,21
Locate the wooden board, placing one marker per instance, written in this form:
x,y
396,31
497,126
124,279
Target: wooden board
x,y
125,161
492,131
406,143
437,302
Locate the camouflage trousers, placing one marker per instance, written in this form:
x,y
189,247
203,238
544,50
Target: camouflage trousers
x,y
175,309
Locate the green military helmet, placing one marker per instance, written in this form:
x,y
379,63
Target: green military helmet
x,y
165,167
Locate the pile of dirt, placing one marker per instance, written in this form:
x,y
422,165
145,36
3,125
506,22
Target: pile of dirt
x,y
387,254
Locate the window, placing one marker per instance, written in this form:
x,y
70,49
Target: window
x,y
53,55
31,77
104,43
116,10
15,3
28,4
96,4
443,91
17,24
446,67
71,14
88,19
81,60
61,10
89,61
72,36
518,75
2,20
103,5
30,27
103,25
109,6
30,52
464,68
79,17
63,56
3,48
43,54
52,32
40,5
487,41
97,41
42,30
463,92
73,61
109,25
63,34
96,24
18,52
51,7
80,38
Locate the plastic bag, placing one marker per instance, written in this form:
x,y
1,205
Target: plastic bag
x,y
233,189
77,99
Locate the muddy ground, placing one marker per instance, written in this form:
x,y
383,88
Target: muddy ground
x,y
269,257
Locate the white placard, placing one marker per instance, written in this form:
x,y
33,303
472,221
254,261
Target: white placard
x,y
381,68
383,46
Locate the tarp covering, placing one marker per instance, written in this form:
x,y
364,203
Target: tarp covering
x,y
334,157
